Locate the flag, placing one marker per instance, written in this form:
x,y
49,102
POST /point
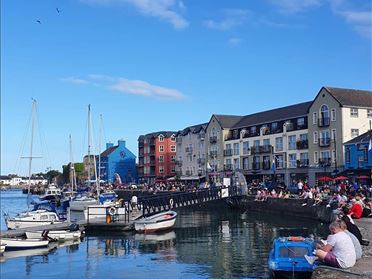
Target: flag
x,y
273,167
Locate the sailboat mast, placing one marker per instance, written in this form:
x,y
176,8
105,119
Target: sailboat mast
x,y
99,149
72,168
32,144
89,175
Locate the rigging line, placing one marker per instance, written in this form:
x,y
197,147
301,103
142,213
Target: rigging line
x,y
103,130
43,138
17,166
83,145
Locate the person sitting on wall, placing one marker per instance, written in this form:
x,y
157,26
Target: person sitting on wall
x,y
338,251
356,209
351,227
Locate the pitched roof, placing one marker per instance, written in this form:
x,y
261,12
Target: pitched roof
x,y
363,138
278,114
193,129
166,134
108,151
351,97
227,121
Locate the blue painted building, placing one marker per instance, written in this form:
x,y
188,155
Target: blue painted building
x,y
358,157
118,159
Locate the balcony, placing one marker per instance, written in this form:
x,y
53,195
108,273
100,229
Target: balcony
x,y
152,142
324,162
201,161
303,163
141,144
255,165
188,149
324,142
213,154
323,122
213,139
302,144
261,149
266,165
227,152
228,167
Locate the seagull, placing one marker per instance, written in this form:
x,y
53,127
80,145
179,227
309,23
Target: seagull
x,y
38,21
58,10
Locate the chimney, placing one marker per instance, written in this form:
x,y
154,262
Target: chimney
x,y
121,142
109,144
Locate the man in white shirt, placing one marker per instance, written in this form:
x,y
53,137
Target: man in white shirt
x,y
338,251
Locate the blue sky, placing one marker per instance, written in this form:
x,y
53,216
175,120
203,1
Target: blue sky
x,y
149,65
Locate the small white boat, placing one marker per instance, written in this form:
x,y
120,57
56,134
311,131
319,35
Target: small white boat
x,y
2,247
61,235
20,243
158,222
82,203
31,219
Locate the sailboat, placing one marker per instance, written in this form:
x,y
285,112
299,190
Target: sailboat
x,y
80,203
33,217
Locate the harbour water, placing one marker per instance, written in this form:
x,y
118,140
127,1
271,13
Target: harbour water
x,y
207,242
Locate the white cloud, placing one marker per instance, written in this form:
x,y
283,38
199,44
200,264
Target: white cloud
x,y
167,10
295,6
233,42
143,88
231,18
75,80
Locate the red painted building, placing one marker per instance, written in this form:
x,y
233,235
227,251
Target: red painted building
x,y
156,156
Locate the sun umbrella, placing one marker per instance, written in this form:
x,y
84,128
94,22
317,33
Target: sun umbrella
x,y
341,178
324,178
362,177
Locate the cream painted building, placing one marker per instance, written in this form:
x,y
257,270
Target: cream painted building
x,y
191,153
336,116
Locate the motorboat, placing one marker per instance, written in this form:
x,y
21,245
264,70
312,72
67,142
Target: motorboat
x,y
82,203
52,193
157,222
31,219
20,243
60,235
287,258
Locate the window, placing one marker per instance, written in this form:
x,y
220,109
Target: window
x,y
236,164
353,112
245,163
292,160
300,122
245,147
292,142
274,126
315,137
354,133
161,138
303,137
173,169
266,142
279,144
324,112
333,114
253,130
173,158
315,118
161,158
161,169
228,146
256,143
173,148
369,113
161,148
279,161
236,148
316,158
173,138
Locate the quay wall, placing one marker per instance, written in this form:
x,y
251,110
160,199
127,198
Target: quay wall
x,y
291,207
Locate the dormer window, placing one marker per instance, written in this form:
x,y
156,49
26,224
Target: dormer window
x,y
173,138
161,138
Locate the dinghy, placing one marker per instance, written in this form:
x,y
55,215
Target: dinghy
x,y
60,235
158,222
20,243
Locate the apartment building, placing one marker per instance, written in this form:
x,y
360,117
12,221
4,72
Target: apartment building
x,y
276,136
217,129
336,116
191,153
157,156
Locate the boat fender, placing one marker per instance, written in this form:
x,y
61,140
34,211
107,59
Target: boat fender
x,y
171,202
112,211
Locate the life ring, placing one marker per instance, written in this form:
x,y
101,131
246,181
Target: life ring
x,y
112,211
171,202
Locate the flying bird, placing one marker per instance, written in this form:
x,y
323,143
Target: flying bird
x,y
58,10
38,21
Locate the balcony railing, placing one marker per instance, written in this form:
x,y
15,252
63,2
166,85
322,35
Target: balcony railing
x,y
266,165
227,152
178,162
302,144
261,149
188,149
255,165
325,162
213,139
323,122
213,154
302,163
324,142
